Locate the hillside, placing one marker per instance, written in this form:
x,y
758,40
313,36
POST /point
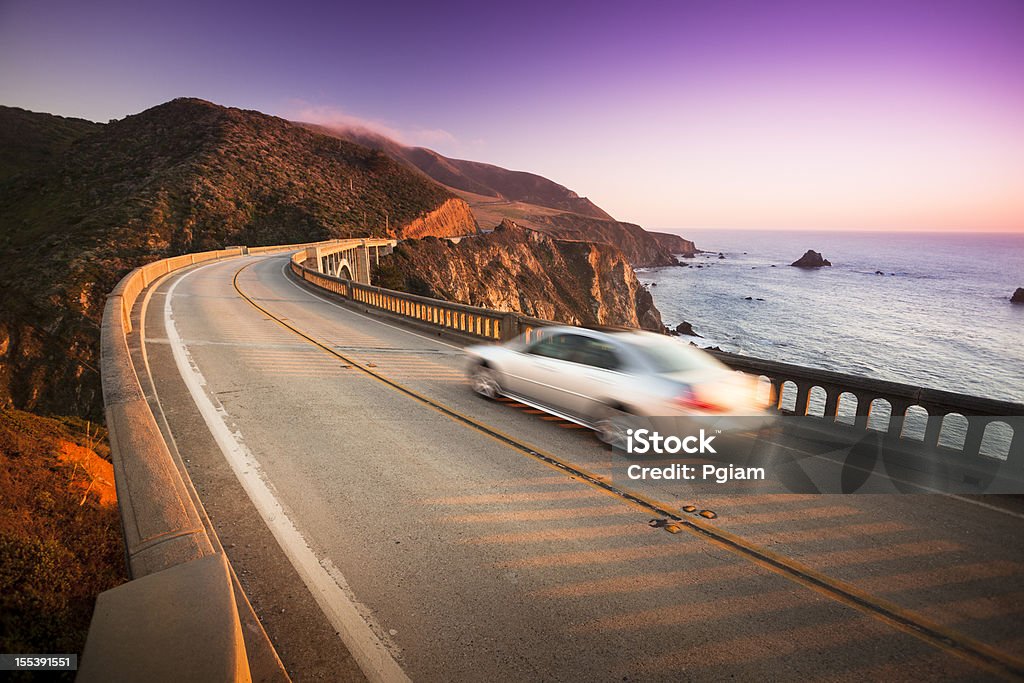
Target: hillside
x,y
516,269
495,193
31,141
60,536
84,203
479,178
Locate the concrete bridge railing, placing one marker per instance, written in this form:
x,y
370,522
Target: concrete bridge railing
x,y
181,616
472,322
932,417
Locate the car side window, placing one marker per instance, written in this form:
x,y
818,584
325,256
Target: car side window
x,y
559,347
599,354
577,349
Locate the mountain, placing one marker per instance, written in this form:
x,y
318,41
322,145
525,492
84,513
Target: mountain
x,y
478,178
31,141
83,203
495,193
526,271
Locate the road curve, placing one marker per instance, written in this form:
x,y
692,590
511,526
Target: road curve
x,y
443,552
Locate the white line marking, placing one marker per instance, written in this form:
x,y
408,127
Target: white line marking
x,y
352,620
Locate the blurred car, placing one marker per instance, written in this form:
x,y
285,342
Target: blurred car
x,y
603,380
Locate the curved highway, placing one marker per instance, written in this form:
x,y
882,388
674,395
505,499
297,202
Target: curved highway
x,y
371,504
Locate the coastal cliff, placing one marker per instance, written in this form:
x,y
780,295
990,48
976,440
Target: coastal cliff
x,y
674,244
640,247
525,271
452,219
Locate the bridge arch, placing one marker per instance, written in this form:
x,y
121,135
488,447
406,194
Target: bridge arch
x,y
915,421
879,415
996,441
787,396
953,433
846,408
816,399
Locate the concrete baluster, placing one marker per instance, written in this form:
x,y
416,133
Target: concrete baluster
x,y
934,426
832,402
803,395
898,417
776,398
860,421
976,425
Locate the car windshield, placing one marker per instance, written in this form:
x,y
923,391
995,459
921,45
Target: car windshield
x,y
667,356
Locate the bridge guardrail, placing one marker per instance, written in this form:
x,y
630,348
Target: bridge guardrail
x,y
162,528
475,322
953,421
933,417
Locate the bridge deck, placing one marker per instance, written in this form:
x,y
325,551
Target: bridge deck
x,y
470,559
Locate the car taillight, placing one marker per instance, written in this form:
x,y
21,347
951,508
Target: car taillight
x,y
691,400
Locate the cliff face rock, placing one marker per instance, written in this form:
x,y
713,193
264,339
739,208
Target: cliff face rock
x,y
452,219
81,204
811,259
525,271
640,247
674,244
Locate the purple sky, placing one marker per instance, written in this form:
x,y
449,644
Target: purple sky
x,y
806,114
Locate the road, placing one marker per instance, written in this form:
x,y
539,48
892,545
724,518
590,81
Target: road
x,y
361,489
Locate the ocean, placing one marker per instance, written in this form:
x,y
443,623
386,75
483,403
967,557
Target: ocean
x,y
939,317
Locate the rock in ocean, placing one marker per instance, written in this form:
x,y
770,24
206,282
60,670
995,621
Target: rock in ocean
x,y
811,259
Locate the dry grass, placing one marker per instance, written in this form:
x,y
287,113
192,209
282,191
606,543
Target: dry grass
x,y
60,536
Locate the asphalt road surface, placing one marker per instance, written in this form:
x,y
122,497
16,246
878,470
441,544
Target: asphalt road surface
x,y
372,504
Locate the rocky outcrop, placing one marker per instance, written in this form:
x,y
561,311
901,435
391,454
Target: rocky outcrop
x,y
640,247
685,329
1018,296
674,244
811,259
526,271
452,219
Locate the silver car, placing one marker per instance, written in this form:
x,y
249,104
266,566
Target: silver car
x,y
604,379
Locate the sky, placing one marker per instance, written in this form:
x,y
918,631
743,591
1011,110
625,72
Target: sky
x,y
688,114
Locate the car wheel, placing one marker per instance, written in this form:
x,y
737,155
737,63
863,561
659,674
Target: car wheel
x,y
611,425
484,382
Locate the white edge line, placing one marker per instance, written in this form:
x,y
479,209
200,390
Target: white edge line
x,y
322,579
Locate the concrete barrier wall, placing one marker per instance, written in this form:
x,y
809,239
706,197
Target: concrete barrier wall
x,y
163,530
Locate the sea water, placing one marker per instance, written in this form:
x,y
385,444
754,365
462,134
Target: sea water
x,y
939,316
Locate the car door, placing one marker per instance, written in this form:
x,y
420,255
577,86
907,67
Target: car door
x,y
542,371
600,379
